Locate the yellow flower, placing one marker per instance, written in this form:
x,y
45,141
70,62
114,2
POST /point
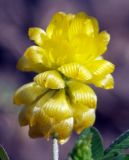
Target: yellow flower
x,y
67,58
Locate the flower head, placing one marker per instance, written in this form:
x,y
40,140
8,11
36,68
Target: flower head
x,y
67,58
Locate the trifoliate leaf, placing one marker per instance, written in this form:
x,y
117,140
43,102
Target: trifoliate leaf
x,y
97,145
118,146
89,146
122,157
117,157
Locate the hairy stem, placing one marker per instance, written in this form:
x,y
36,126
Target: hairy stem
x,y
55,149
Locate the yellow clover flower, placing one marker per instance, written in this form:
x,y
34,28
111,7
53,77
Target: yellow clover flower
x,y
67,58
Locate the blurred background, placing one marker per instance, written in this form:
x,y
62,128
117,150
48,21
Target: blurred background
x,y
16,16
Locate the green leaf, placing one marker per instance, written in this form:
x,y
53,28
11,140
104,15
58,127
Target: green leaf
x,y
119,145
126,157
3,154
122,157
116,157
97,145
88,147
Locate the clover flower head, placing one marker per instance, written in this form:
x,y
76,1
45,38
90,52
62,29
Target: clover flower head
x,y
67,58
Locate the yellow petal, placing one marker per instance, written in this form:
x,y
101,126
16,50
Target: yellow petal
x,y
34,59
59,51
41,130
56,21
75,71
81,15
95,25
81,94
100,68
45,97
25,115
31,114
57,106
63,130
80,26
25,65
37,35
44,121
83,24
36,55
78,109
28,93
58,25
85,48
46,124
84,120
106,82
50,79
35,132
103,40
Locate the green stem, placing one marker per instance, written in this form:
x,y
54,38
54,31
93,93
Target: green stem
x,y
55,149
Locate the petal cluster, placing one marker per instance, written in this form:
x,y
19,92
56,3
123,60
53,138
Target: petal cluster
x,y
67,58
